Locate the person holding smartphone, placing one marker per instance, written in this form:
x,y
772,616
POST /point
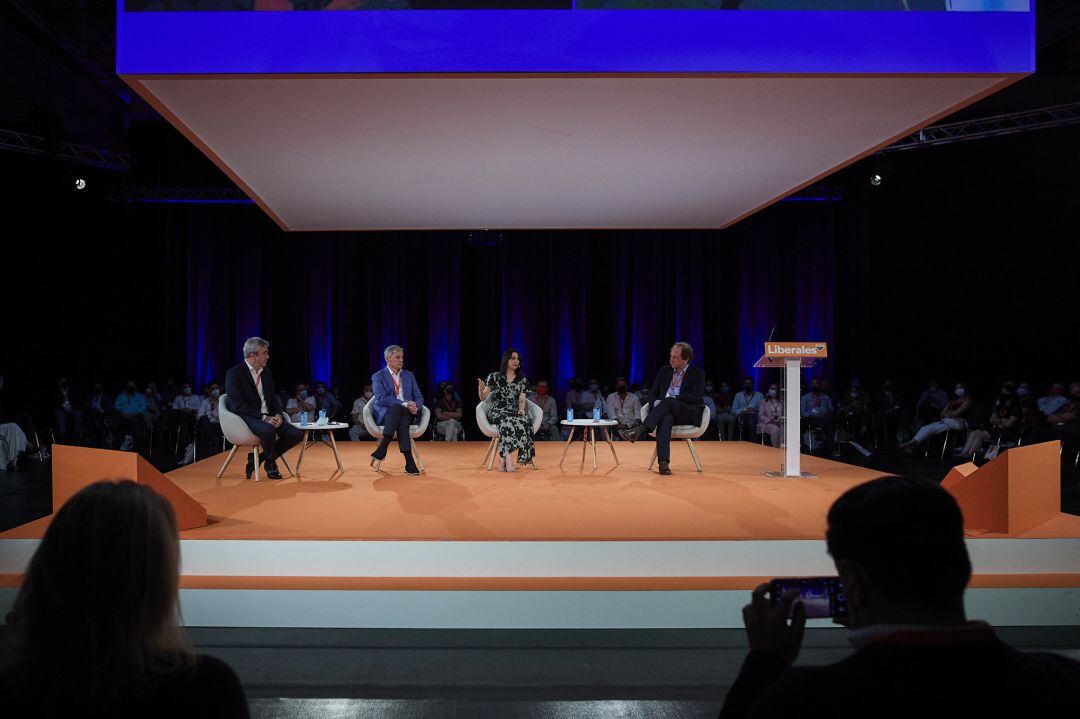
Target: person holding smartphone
x,y
898,545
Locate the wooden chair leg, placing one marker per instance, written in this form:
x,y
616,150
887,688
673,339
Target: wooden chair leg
x,y
286,463
255,450
496,442
227,460
693,453
419,459
487,455
652,460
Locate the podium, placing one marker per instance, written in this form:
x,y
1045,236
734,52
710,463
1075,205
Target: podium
x,y
792,357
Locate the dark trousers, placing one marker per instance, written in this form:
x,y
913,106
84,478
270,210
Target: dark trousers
x,y
133,426
68,422
396,421
661,419
210,433
275,442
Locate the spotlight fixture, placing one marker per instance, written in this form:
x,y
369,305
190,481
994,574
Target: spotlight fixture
x,y
876,179
80,183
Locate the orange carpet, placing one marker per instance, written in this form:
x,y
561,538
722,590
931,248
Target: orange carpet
x,y
458,500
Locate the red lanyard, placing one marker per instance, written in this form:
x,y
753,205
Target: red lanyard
x,y
397,384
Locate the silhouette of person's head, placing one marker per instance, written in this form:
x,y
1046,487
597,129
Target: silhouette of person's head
x,y
98,610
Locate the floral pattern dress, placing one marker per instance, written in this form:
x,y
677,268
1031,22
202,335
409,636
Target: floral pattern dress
x,y
515,430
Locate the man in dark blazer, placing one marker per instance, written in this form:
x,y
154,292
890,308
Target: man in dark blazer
x,y
395,403
251,394
898,545
675,398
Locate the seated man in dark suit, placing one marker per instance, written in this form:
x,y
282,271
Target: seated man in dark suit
x,y
396,402
249,387
675,398
898,545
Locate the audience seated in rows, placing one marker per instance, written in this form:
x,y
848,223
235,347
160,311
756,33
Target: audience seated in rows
x,y
448,413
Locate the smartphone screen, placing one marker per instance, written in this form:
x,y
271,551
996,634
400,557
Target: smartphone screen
x,y
820,596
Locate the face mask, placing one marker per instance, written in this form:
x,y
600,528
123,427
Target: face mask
x,y
724,388
621,389
368,394
708,388
854,395
450,390
1022,391
1006,392
63,385
888,388
772,393
541,391
215,392
594,387
960,392
131,389
303,394
321,391
187,390
748,388
816,390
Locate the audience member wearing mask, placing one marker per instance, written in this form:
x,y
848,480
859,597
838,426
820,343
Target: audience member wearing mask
x,y
746,406
358,431
771,416
854,413
187,405
817,411
930,403
96,629
1064,423
953,417
1029,411
448,414
890,411
208,419
130,407
725,416
1001,427
152,415
542,398
1054,400
98,414
622,406
69,418
302,401
327,401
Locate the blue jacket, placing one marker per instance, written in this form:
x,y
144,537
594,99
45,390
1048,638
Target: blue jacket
x,y
382,388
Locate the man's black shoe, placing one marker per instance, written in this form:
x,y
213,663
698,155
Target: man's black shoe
x,y
380,452
250,468
410,465
271,469
664,469
631,435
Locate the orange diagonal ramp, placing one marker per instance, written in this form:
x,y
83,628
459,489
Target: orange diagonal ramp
x,y
76,467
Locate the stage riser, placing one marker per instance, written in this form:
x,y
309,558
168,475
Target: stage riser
x,y
548,610
772,558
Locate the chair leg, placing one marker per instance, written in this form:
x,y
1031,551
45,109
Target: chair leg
x,y
255,450
496,441
227,460
419,459
286,463
652,460
945,444
487,455
693,453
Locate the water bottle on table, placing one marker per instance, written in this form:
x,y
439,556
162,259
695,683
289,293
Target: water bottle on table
x,y
303,419
569,414
595,414
322,416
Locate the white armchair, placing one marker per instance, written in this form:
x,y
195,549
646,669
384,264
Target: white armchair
x,y
532,410
689,432
415,430
237,433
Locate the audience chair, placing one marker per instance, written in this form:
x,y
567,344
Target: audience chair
x,y
237,433
415,430
532,410
688,432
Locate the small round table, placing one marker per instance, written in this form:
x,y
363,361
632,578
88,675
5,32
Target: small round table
x,y
328,428
588,436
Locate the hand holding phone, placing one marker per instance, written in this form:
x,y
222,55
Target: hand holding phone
x,y
821,597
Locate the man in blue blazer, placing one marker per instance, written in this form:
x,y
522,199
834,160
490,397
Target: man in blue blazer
x,y
396,401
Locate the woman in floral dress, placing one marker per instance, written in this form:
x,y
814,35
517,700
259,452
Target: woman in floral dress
x,y
507,389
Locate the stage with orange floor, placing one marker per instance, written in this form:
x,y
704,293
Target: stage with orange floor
x,y
555,546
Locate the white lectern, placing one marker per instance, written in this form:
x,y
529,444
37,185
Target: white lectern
x,y
792,356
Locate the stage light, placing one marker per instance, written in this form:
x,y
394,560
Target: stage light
x,y
876,179
80,183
